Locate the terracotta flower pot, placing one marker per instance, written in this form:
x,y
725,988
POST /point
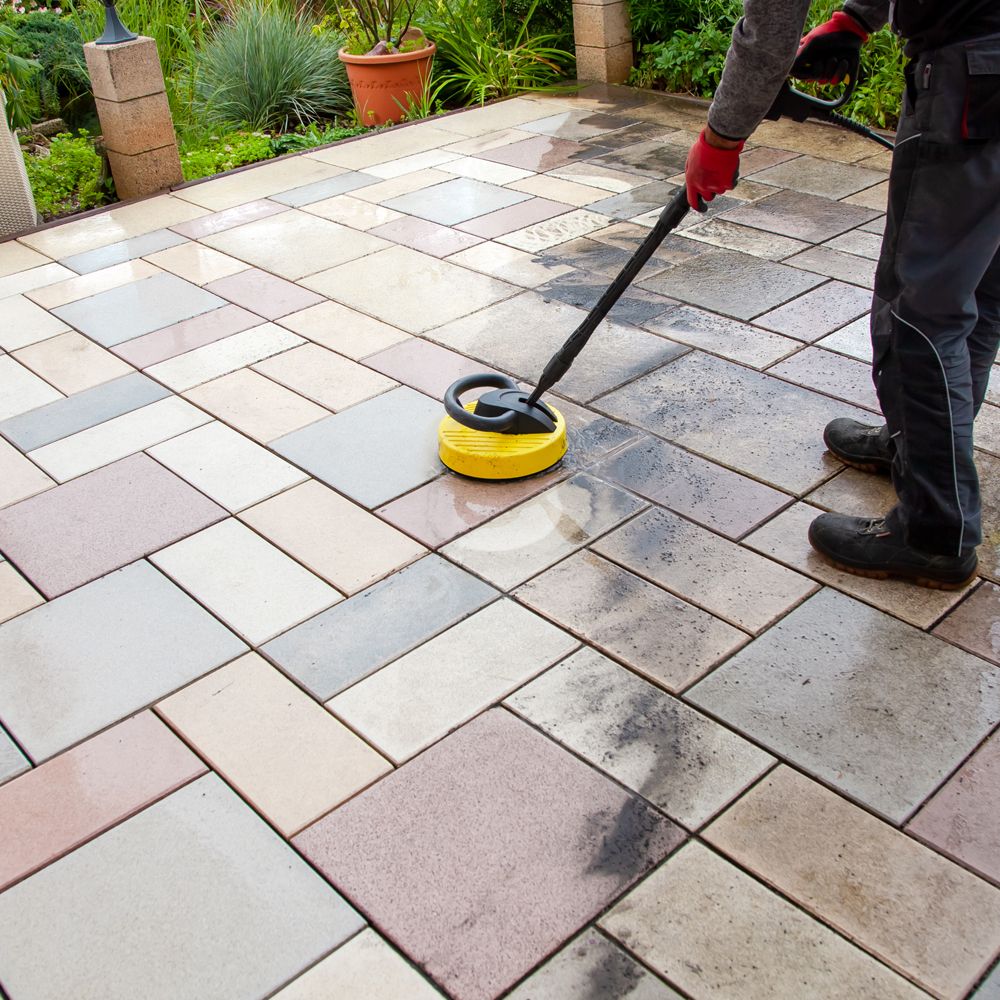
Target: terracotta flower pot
x,y
384,86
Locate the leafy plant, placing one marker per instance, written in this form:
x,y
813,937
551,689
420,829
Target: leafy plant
x,y
265,69
225,152
70,179
56,45
654,21
478,65
689,62
16,75
314,135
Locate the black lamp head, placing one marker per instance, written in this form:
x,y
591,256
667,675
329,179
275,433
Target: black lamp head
x,y
114,30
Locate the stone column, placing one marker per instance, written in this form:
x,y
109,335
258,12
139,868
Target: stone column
x,y
603,35
135,116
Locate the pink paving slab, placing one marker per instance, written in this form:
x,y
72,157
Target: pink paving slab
x,y
90,526
70,799
487,852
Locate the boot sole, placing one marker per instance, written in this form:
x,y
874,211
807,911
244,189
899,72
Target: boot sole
x,y
885,574
877,468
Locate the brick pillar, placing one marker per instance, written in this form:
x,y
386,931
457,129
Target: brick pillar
x,y
603,35
135,116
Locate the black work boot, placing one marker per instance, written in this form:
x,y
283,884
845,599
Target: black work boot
x,y
859,445
874,547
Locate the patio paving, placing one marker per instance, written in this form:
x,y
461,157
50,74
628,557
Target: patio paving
x,y
287,710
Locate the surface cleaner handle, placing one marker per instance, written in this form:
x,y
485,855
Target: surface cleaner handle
x,y
670,218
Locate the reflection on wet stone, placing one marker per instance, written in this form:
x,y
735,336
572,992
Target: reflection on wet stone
x,y
636,306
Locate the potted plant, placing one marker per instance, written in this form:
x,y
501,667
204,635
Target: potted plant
x,y
388,60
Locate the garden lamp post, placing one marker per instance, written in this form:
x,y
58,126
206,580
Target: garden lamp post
x,y
114,30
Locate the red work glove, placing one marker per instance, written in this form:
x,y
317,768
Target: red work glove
x,y
710,171
830,49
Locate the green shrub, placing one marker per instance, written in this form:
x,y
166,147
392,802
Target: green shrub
x,y
16,80
70,179
265,69
225,152
56,45
476,63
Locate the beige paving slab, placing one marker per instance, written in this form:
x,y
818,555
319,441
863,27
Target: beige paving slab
x,y
227,466
260,182
502,115
391,145
584,172
922,914
352,212
119,223
874,197
408,164
680,760
90,449
559,189
343,330
487,171
81,287
25,323
785,539
72,362
509,264
15,256
745,239
413,299
395,187
414,701
36,277
19,477
16,594
294,244
251,585
552,232
486,141
223,356
364,967
717,933
336,539
325,377
196,263
255,405
21,390
706,569
272,742
859,494
541,531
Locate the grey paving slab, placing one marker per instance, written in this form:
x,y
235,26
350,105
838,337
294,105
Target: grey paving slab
x,y
652,158
328,188
374,451
628,618
854,340
818,312
637,201
338,647
857,242
591,967
736,284
745,239
132,310
237,912
524,541
757,424
606,252
878,709
118,253
746,589
520,335
833,374
835,264
577,125
100,521
726,337
82,410
820,177
990,987
100,653
12,761
680,760
801,216
636,306
456,201
703,491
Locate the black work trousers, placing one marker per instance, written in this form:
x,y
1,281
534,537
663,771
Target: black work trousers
x,y
936,311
